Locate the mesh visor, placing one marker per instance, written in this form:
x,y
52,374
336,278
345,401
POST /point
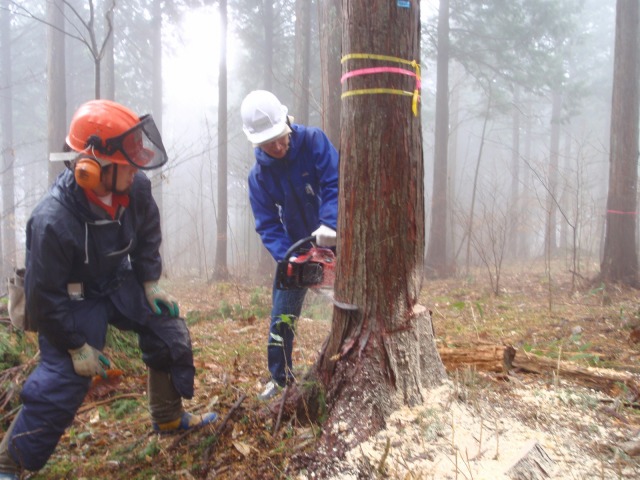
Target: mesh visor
x,y
141,145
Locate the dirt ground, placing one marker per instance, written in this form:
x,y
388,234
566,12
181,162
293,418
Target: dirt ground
x,y
476,425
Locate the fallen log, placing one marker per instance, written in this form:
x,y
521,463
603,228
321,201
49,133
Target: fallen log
x,y
505,359
486,358
612,382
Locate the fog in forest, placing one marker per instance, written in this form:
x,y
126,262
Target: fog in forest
x,y
530,89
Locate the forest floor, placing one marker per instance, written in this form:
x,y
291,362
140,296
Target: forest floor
x,y
474,426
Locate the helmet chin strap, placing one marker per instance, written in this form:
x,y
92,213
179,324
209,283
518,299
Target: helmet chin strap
x,y
114,178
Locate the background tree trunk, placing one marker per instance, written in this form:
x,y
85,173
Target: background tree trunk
x,y
474,188
383,355
301,67
330,19
551,237
108,72
437,263
221,270
56,84
156,102
514,211
7,213
620,259
266,262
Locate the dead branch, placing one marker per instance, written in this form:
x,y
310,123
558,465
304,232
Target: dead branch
x,y
207,454
284,398
92,405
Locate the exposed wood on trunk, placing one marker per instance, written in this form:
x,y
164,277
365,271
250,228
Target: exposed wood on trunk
x,y
534,463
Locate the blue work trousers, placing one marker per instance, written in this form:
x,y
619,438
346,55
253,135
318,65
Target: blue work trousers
x,y
286,308
53,393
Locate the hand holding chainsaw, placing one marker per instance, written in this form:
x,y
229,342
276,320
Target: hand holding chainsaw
x,y
325,236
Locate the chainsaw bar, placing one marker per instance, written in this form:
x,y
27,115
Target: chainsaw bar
x,y
341,305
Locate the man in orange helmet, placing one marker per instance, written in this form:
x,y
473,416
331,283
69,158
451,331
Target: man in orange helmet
x,y
93,259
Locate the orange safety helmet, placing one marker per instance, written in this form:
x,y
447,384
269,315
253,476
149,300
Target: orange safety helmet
x,y
112,133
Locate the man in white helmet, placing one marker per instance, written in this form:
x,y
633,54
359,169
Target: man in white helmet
x,y
293,190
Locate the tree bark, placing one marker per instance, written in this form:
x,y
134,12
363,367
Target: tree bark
x,y
620,258
383,355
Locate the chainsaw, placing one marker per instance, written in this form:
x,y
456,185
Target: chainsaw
x,y
312,268
304,267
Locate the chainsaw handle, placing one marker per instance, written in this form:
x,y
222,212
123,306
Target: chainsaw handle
x,y
297,245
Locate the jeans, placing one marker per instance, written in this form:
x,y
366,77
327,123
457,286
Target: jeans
x,y
286,308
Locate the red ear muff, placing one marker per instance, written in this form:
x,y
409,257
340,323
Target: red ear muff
x,y
87,173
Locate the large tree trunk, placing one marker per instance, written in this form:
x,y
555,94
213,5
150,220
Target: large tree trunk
x,y
437,261
56,85
620,259
383,355
7,212
330,16
221,270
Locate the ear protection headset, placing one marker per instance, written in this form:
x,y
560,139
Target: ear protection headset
x,y
88,172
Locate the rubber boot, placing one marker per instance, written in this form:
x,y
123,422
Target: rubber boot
x,y
165,403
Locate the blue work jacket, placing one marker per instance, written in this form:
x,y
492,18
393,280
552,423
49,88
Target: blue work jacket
x,y
292,196
70,241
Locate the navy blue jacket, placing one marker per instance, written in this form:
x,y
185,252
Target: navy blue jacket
x,y
292,196
70,240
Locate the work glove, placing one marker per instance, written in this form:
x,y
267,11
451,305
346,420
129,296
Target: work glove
x,y
88,361
325,236
157,298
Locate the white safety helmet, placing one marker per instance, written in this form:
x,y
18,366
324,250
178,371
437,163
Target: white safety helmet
x,y
264,118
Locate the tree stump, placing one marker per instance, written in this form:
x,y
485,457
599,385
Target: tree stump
x,y
533,464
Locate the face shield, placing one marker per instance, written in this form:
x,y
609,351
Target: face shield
x,y
141,145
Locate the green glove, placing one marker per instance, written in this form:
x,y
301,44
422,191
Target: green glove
x,y
157,297
88,361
